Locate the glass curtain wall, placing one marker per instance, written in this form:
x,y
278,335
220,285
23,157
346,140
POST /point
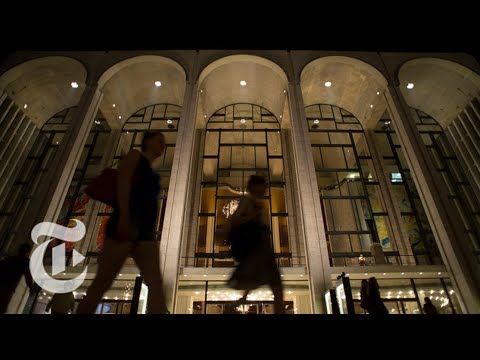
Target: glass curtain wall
x,y
352,204
241,140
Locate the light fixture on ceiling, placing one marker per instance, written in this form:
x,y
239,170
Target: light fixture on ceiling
x,y
378,92
113,105
120,117
243,82
74,84
316,121
242,121
158,83
410,85
328,83
169,121
371,106
25,106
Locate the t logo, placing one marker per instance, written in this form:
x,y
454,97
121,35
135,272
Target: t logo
x,y
39,274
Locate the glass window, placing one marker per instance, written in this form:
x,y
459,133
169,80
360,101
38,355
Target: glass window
x,y
254,147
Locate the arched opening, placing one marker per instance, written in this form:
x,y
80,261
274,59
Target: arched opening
x,y
348,83
352,203
241,140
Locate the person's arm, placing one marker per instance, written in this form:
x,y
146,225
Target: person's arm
x,y
49,305
28,276
126,170
72,303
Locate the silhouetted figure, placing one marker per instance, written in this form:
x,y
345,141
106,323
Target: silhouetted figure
x,y
61,303
375,304
11,271
364,294
131,228
257,266
428,307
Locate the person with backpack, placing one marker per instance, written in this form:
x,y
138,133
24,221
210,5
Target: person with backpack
x,y
257,265
131,228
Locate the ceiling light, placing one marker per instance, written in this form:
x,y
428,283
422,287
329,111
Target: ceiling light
x,y
25,106
119,117
421,273
371,106
243,83
284,91
384,274
201,91
120,274
158,83
366,274
316,121
169,121
439,273
328,83
403,273
242,121
410,86
74,84
378,92
113,105
280,116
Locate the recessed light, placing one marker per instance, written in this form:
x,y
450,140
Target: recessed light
x,y
281,116
410,86
74,84
316,121
25,106
378,92
439,273
119,117
204,275
120,274
328,83
201,90
158,83
403,273
185,275
284,91
205,116
243,83
242,121
169,121
384,274
371,106
366,274
421,273
113,105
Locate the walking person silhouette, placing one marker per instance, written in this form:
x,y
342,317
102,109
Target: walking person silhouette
x,y
131,228
257,264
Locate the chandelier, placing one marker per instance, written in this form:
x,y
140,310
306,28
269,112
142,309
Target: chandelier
x,y
230,207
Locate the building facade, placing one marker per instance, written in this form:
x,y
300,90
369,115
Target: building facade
x,y
372,161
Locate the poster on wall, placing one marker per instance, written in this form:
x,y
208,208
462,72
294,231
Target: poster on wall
x,y
382,232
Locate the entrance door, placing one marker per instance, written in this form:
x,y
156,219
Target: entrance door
x,y
228,307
